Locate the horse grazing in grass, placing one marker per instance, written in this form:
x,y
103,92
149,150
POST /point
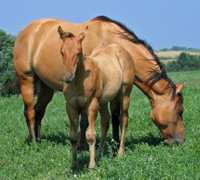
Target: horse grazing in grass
x,y
93,81
37,57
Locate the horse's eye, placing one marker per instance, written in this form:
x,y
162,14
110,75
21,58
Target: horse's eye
x,y
180,112
79,54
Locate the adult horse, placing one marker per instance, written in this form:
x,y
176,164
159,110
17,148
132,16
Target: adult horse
x,y
37,57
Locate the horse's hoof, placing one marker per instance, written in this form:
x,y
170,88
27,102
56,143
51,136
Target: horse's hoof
x,y
92,166
38,141
80,149
120,153
74,165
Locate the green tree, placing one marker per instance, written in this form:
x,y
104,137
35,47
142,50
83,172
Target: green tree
x,y
184,62
7,73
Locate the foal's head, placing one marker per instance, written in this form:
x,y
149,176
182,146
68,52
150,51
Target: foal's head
x,y
71,51
167,112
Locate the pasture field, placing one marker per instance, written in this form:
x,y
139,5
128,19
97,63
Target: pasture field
x,y
146,155
174,54
167,56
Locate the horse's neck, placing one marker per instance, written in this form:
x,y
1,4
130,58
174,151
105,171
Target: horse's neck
x,y
80,73
156,89
145,67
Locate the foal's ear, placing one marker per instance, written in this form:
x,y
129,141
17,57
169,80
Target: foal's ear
x,y
61,32
82,35
64,34
179,88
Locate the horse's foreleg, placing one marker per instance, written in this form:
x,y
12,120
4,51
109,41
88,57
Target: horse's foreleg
x,y
91,133
105,117
74,120
83,127
124,116
27,91
115,112
44,97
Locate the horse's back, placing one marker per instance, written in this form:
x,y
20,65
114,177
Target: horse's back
x,y
32,35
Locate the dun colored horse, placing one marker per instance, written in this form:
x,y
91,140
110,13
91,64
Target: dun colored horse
x,y
37,57
93,81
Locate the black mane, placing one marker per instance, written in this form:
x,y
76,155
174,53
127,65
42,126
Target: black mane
x,y
155,75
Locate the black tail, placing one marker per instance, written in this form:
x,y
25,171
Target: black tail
x,y
16,83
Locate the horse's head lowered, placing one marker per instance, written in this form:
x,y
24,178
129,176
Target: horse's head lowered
x,y
71,51
167,112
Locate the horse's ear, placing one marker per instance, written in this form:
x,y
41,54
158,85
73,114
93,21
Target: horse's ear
x,y
83,34
179,88
86,28
81,37
61,32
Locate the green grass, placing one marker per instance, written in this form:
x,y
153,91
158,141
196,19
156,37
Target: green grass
x,y
146,155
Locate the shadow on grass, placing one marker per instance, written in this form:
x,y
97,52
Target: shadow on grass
x,y
56,136
111,147
150,139
130,143
59,138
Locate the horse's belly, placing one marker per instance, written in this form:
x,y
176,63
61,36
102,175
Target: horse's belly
x,y
111,89
54,83
51,75
112,77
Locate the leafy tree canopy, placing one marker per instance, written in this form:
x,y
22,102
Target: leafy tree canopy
x,y
184,62
7,73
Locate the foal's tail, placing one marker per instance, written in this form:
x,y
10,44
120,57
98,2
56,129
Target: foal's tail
x,y
16,83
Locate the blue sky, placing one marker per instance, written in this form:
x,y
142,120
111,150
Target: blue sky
x,y
162,23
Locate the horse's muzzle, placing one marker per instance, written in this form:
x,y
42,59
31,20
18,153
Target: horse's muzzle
x,y
174,140
68,77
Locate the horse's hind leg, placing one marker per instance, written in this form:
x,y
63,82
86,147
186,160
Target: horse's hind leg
x,y
105,118
124,104
115,112
44,97
27,91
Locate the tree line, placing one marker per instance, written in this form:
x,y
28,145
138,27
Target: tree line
x,y
177,48
184,62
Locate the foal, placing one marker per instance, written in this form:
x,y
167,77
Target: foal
x,y
90,83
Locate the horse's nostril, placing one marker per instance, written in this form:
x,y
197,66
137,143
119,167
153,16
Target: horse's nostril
x,y
68,77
